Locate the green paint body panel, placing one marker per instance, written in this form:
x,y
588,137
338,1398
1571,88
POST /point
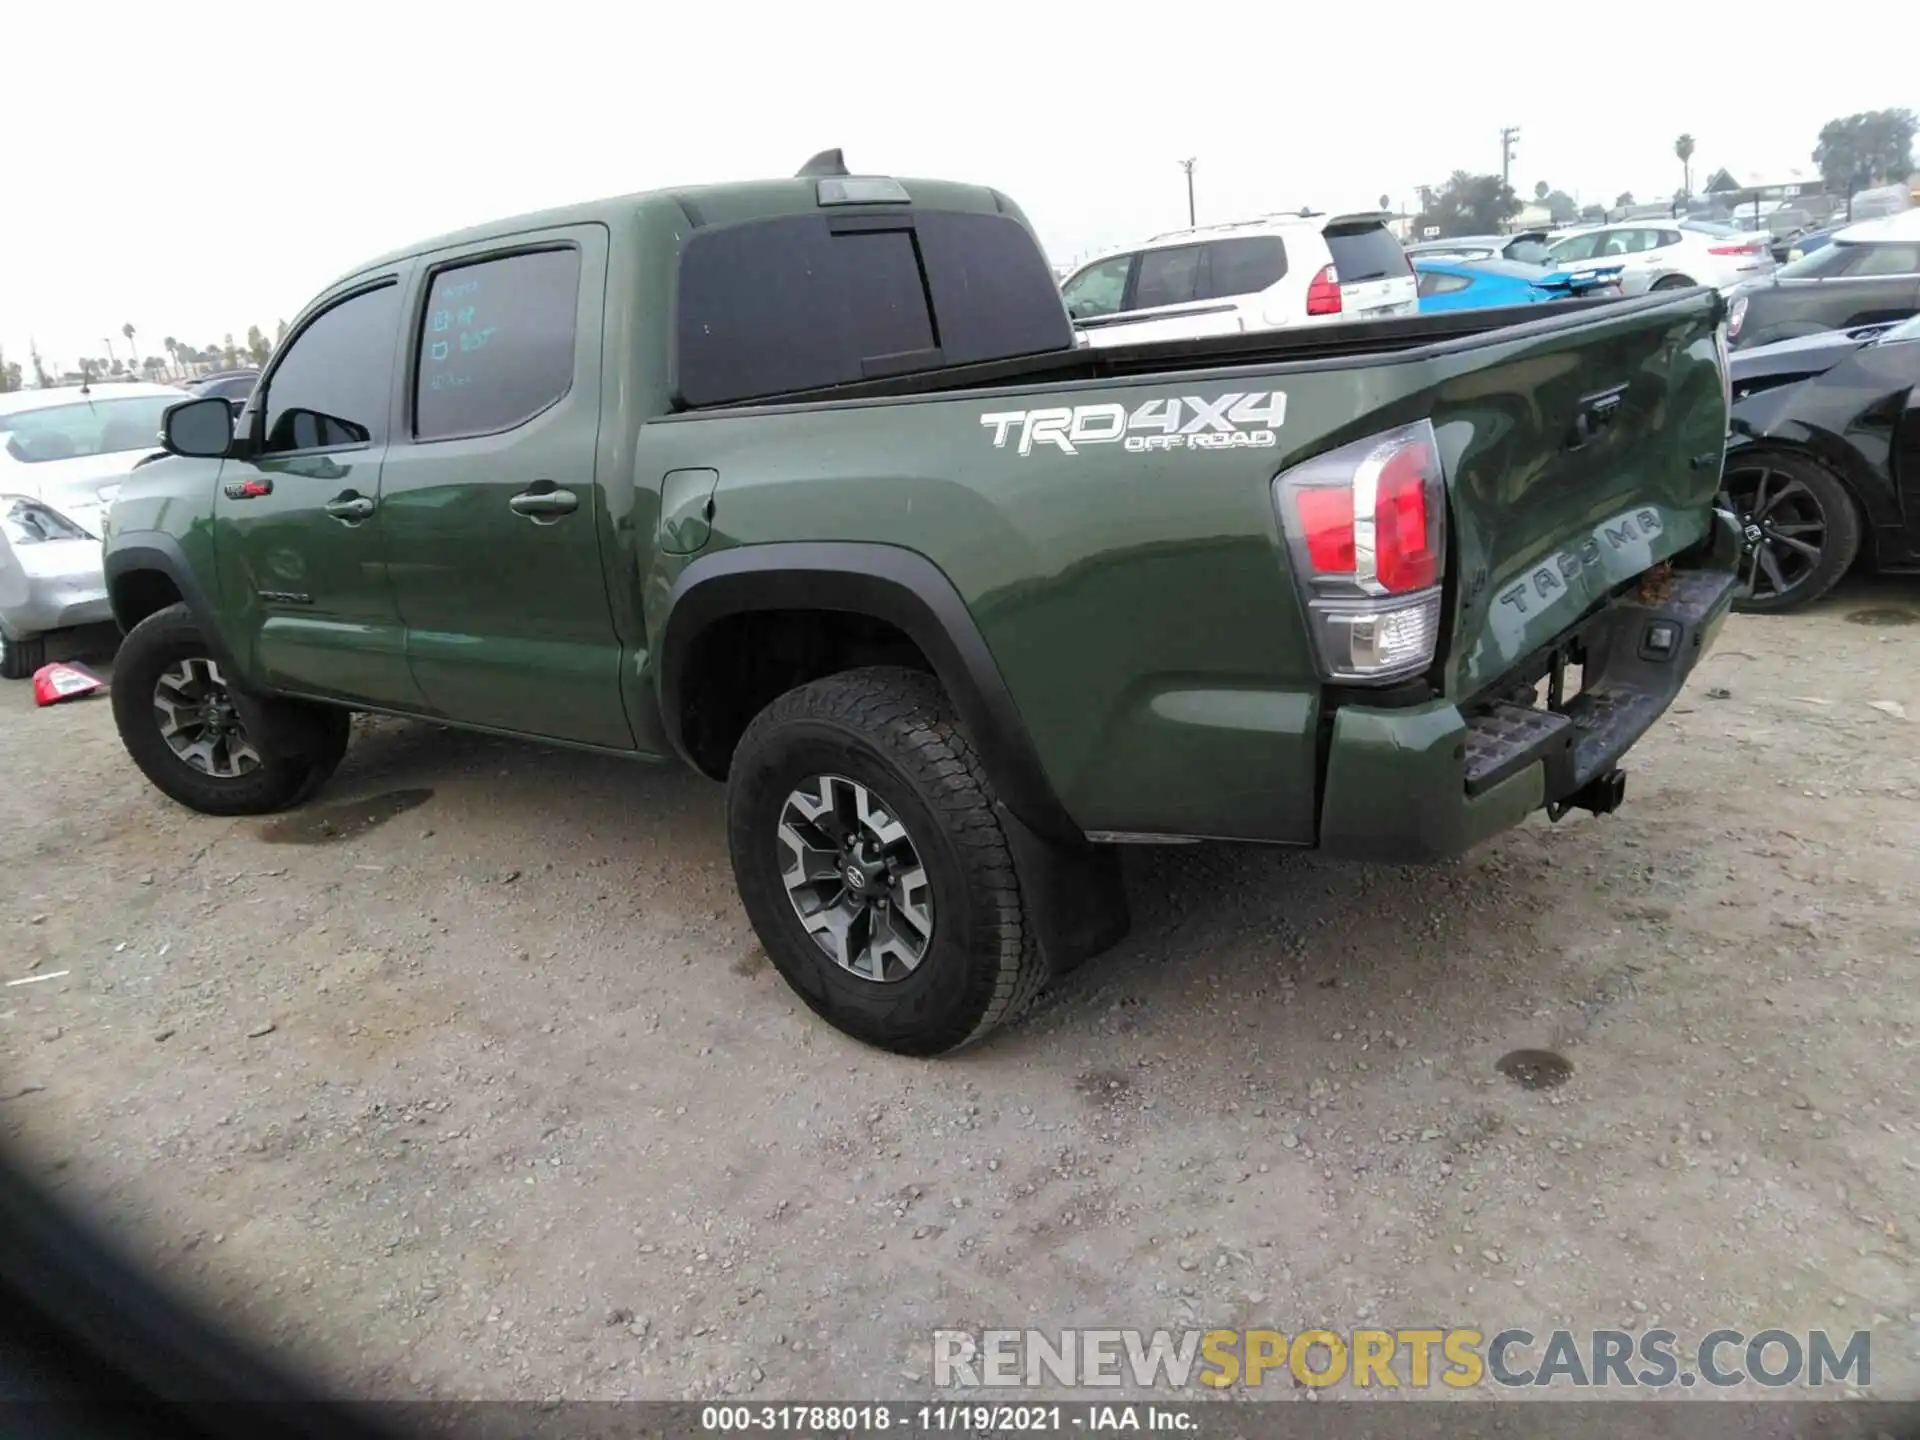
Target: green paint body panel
x,y
1138,607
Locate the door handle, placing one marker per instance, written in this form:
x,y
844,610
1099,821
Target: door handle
x,y
349,508
543,506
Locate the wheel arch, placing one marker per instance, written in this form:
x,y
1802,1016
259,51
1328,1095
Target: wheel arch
x,y
146,571
898,588
1871,501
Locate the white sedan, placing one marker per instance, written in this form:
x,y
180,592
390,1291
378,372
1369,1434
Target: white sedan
x,y
63,454
1666,255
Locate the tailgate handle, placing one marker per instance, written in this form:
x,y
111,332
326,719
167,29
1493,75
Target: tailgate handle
x,y
1596,413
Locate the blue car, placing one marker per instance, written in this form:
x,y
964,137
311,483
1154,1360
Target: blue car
x,y
1478,284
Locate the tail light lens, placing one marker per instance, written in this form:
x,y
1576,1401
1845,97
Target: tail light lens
x,y
1323,292
1366,531
1736,314
1753,249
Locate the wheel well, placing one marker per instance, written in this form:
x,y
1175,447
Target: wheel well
x,y
740,663
140,593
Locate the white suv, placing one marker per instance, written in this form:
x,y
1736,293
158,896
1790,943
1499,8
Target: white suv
x,y
1279,271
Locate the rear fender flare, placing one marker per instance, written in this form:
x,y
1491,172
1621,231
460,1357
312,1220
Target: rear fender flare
x,y
884,582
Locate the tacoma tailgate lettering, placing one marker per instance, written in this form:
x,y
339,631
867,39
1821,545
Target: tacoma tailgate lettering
x,y
1548,579
1233,421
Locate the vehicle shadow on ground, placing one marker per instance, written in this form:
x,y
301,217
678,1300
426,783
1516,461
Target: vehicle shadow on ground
x,y
1239,938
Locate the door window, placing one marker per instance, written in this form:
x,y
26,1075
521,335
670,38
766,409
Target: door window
x,y
1245,265
1885,260
1168,277
1580,247
496,343
333,382
1098,289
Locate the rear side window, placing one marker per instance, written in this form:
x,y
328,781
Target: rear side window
x,y
1369,254
1243,266
803,302
1168,277
496,343
1433,282
1529,252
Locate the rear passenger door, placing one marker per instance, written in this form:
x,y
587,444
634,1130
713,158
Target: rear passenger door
x,y
491,503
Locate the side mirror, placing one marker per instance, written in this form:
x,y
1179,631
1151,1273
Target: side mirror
x,y
201,428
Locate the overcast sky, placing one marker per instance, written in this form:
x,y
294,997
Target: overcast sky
x,y
197,169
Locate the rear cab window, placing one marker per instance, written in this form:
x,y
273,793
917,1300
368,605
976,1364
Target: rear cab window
x,y
804,302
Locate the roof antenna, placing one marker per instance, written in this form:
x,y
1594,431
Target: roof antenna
x,y
827,162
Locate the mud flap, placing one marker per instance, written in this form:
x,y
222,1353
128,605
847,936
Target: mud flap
x,y
1076,898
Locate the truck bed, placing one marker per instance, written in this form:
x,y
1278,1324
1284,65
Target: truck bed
x,y
1325,347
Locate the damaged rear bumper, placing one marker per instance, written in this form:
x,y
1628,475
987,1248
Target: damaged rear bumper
x,y
1431,782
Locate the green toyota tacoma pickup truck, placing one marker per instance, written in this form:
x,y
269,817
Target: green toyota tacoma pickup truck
x,y
806,483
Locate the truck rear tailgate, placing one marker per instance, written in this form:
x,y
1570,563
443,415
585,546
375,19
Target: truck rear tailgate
x,y
1577,458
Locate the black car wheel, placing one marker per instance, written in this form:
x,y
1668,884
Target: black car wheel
x,y
1799,527
20,658
1674,282
176,715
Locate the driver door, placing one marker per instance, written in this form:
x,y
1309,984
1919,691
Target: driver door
x,y
296,521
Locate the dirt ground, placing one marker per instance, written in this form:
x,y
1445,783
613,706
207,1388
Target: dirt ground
x,y
473,1081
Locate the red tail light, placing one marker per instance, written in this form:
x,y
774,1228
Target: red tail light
x,y
1323,293
1366,529
1750,249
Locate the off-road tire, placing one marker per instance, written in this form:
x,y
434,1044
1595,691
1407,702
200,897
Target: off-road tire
x,y
155,645
894,732
20,658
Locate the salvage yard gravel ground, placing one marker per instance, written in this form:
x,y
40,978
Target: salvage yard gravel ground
x,y
470,1080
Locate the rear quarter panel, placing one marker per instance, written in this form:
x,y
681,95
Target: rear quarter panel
x,y
1139,605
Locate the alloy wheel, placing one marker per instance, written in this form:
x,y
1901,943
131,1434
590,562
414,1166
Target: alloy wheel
x,y
198,721
855,878
1783,530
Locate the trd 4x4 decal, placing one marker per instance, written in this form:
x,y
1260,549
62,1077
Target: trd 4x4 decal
x,y
1226,422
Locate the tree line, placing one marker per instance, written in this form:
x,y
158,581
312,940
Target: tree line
x,y
175,359
1854,153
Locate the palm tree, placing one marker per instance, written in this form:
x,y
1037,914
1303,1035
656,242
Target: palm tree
x,y
172,346
1683,147
127,330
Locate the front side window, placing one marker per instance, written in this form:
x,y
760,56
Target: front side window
x,y
333,382
1098,289
496,343
1168,277
87,427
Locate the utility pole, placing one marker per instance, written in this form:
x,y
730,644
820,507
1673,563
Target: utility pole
x,y
1508,135
1187,165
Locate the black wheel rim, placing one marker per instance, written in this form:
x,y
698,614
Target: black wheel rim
x,y
1783,530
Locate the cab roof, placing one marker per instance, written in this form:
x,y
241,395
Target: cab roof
x,y
704,205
